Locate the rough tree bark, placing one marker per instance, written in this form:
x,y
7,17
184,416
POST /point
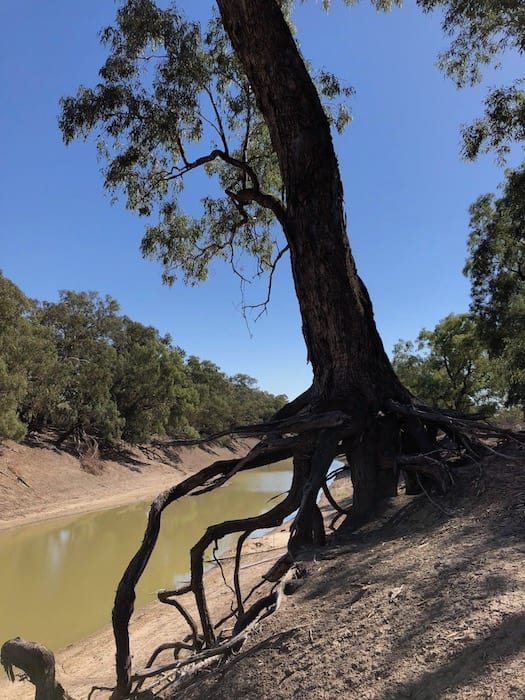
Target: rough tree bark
x,y
350,367
346,352
356,404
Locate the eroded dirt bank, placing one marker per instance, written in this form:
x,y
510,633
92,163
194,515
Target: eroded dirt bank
x,y
40,482
427,602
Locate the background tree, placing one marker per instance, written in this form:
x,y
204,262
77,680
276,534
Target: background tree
x,y
226,402
212,411
449,366
82,324
496,268
250,404
28,364
79,367
481,32
149,385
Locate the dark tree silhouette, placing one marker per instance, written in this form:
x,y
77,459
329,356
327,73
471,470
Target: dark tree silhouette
x,y
356,405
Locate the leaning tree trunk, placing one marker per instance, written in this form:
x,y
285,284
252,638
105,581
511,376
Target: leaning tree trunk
x,y
356,403
351,370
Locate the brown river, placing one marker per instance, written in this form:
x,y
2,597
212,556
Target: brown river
x,y
58,578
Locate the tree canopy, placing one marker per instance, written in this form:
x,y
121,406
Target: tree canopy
x,y
79,367
496,269
169,88
449,366
481,32
28,363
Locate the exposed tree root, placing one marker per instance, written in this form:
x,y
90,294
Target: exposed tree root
x,y
38,663
426,443
404,436
192,665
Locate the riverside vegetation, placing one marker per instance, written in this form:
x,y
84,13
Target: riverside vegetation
x,y
92,375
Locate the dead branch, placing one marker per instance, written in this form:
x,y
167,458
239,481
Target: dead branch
x,y
236,581
168,597
245,625
263,305
331,500
431,500
294,424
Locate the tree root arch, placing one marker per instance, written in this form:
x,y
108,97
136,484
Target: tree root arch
x,y
424,442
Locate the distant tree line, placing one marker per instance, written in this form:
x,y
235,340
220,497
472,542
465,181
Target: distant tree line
x,y
476,361
78,366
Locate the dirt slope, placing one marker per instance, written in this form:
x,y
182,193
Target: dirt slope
x,y
421,604
38,481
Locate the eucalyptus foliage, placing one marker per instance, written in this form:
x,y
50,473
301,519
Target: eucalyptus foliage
x,y
28,363
172,98
79,367
449,366
150,385
481,32
82,325
496,268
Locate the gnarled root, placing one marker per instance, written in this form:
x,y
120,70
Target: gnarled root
x,y
38,663
424,442
421,441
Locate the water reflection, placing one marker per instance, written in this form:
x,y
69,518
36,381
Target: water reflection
x,y
57,579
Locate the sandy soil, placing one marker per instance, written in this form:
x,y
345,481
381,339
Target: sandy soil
x,y
426,602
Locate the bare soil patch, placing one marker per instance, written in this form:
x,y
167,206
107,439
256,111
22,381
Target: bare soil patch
x,y
426,602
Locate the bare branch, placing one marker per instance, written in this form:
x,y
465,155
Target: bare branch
x,y
246,138
264,304
244,196
219,126
238,552
168,597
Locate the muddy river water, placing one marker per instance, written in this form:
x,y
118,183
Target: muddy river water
x,y
58,578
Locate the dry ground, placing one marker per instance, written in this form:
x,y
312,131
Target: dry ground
x,y
426,602
421,604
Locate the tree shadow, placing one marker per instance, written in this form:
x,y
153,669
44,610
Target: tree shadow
x,y
426,597
472,662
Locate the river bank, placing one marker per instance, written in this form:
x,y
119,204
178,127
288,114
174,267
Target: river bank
x,y
39,482
426,601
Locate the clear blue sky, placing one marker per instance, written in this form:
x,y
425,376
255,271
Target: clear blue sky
x,y
407,191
